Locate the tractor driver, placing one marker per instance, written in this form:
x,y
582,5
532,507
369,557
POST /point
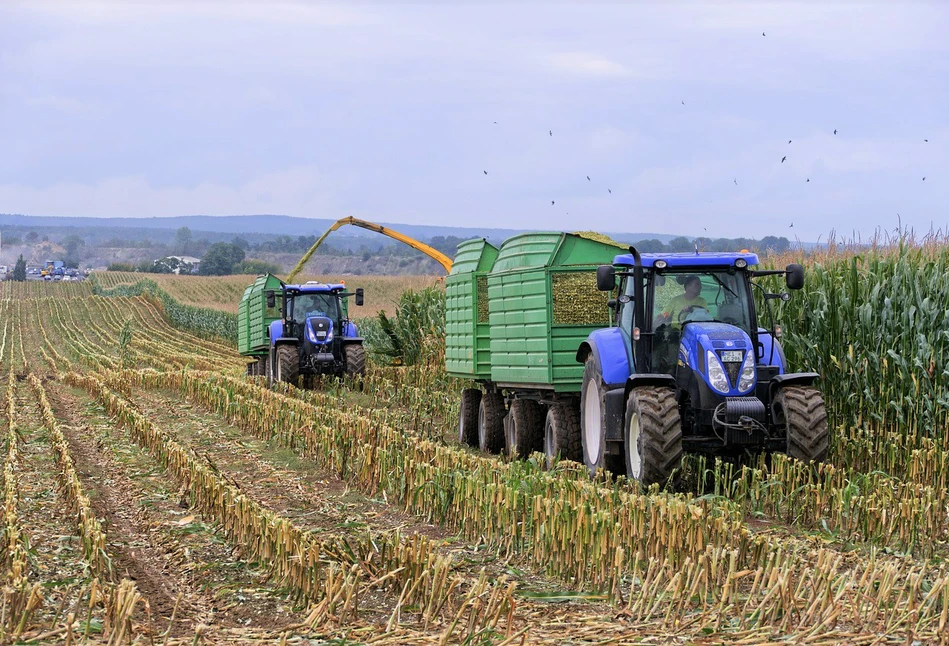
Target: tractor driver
x,y
679,307
307,305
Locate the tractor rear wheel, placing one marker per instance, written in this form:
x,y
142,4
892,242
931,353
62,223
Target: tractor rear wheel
x,y
800,411
653,434
491,422
288,364
525,430
354,355
593,417
468,417
562,434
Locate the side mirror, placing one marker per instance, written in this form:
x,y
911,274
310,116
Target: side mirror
x,y
794,276
271,299
605,278
359,296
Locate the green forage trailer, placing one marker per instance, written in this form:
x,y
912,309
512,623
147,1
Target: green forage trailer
x,y
515,318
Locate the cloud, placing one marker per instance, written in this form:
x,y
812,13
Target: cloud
x,y
587,64
302,191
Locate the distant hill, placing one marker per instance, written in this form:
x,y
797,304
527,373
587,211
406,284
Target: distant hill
x,y
279,225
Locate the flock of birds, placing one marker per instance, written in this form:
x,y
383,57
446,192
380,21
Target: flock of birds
x,y
783,159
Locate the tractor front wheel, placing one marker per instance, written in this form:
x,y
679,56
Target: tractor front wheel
x,y
288,364
653,437
354,354
800,411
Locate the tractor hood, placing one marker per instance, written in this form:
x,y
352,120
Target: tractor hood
x,y
723,354
319,330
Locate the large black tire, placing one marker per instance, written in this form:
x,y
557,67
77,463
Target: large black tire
x,y
288,364
562,434
593,417
800,411
468,417
491,422
525,430
652,434
261,366
354,356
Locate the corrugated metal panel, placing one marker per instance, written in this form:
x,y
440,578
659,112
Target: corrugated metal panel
x,y
254,316
467,342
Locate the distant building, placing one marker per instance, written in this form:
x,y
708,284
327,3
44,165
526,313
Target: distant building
x,y
185,264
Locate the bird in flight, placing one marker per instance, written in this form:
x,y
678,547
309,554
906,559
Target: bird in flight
x,y
835,131
789,141
610,190
792,226
588,178
683,103
926,140
808,179
550,132
762,33
551,202
783,158
495,123
736,181
485,172
924,179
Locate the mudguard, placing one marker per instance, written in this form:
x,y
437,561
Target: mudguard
x,y
609,348
276,334
769,343
793,379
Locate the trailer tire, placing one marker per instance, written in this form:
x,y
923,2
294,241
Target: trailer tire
x,y
355,356
262,366
525,429
491,422
593,417
468,417
562,434
288,364
652,434
801,412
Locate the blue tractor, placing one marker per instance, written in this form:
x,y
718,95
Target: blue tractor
x,y
313,334
685,366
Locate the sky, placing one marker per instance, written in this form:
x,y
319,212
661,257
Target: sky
x,y
679,113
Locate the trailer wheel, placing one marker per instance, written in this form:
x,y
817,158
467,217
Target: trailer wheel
x,y
288,364
468,417
525,430
355,357
491,423
593,417
261,366
800,412
653,435
562,434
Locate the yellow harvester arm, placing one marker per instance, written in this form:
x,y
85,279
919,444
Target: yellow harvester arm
x,y
442,259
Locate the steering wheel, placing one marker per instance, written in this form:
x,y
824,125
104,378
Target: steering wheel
x,y
686,312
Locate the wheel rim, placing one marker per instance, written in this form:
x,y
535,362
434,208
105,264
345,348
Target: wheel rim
x,y
591,426
635,460
549,449
481,434
279,369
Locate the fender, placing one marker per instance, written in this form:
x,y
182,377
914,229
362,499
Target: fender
x,y
609,350
767,343
275,332
792,379
351,340
649,379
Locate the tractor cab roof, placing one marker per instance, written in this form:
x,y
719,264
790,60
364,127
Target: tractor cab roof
x,y
689,260
313,287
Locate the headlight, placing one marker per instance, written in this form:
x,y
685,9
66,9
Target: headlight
x,y
716,373
660,264
741,263
747,379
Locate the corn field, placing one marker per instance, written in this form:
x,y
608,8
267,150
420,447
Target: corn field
x,y
154,493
